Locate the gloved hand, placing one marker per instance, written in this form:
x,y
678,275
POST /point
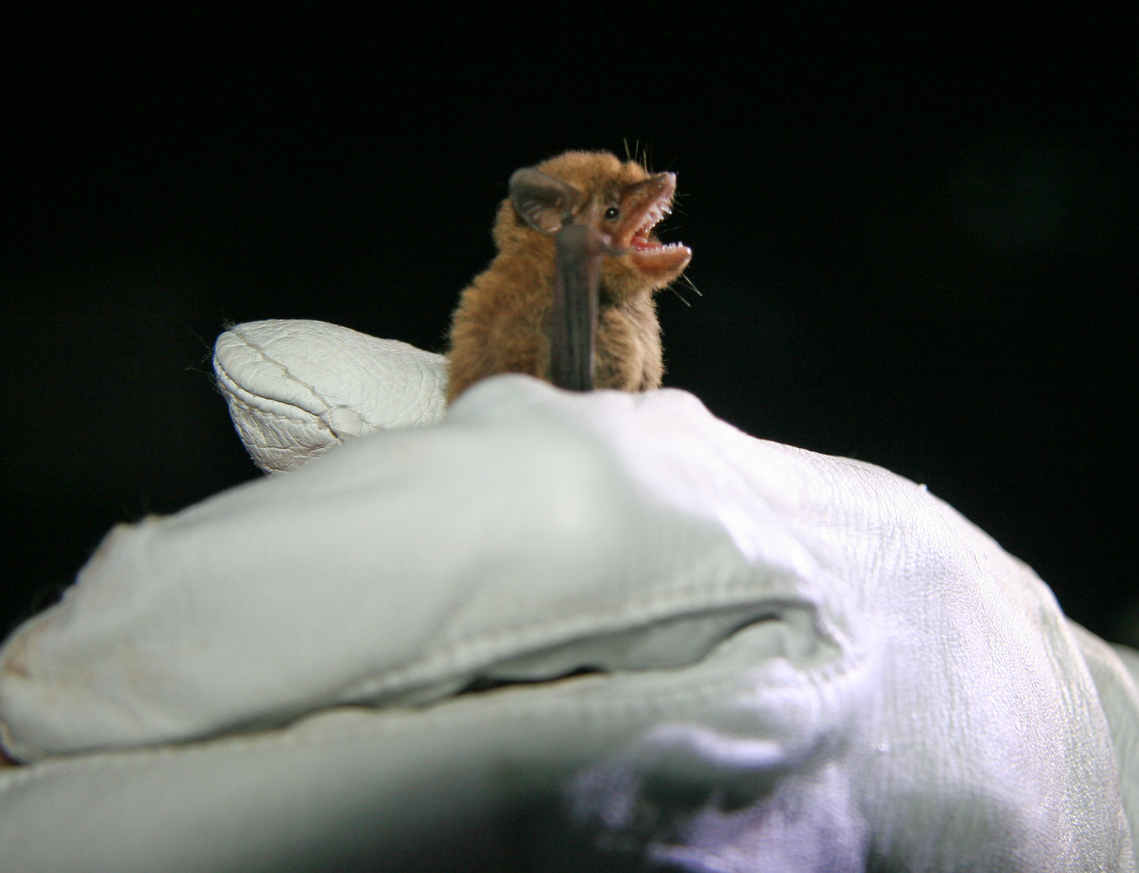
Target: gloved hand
x,y
557,631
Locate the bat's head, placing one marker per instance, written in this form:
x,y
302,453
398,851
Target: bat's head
x,y
620,200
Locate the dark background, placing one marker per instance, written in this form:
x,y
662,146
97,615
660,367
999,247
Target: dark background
x,y
915,237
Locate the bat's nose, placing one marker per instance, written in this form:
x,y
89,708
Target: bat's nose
x,y
655,186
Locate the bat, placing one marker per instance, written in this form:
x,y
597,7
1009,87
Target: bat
x,y
569,296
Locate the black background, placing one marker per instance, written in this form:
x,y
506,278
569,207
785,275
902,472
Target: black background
x,y
914,232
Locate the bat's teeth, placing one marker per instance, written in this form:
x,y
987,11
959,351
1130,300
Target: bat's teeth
x,y
653,215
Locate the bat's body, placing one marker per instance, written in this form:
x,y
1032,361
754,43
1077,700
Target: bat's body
x,y
598,212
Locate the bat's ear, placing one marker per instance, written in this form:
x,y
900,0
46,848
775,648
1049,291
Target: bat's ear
x,y
545,203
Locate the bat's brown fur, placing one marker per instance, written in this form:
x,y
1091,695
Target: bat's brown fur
x,y
501,324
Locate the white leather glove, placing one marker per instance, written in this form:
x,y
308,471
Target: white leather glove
x,y
299,388
799,662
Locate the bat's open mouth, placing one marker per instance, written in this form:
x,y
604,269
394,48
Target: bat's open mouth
x,y
646,205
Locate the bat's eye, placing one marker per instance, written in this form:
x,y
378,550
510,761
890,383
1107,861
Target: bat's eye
x,y
611,213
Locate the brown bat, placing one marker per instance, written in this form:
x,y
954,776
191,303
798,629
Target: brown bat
x,y
569,298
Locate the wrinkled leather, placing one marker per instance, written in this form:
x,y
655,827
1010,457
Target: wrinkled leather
x,y
802,663
296,389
